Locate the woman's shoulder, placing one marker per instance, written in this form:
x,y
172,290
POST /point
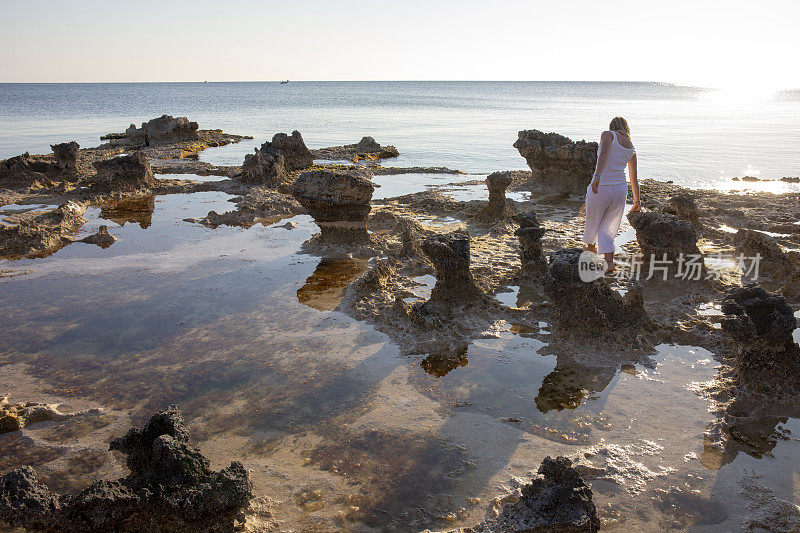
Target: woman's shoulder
x,y
606,136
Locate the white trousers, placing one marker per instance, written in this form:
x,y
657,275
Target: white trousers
x,y
603,215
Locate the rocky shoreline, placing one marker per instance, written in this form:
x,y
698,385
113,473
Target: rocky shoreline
x,y
474,250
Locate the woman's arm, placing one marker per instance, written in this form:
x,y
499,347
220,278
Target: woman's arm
x,y
632,172
602,159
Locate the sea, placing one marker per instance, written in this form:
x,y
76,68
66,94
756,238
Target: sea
x,y
694,136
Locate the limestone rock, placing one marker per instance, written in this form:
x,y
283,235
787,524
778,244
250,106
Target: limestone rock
x,y
38,233
755,314
684,206
772,257
497,208
265,167
663,235
165,129
530,235
24,170
124,173
557,500
339,202
295,153
455,285
271,163
556,161
170,488
589,307
66,155
763,323
367,149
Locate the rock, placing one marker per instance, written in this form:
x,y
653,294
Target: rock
x,y
30,171
757,315
170,488
557,500
165,129
66,155
763,323
37,233
793,179
530,235
124,173
15,416
662,236
683,206
265,167
295,153
556,161
497,208
772,257
102,238
339,202
455,286
271,163
589,307
367,149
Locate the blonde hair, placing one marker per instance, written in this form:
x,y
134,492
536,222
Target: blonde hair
x,y
620,124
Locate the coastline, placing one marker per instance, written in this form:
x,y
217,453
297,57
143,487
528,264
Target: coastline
x,y
363,358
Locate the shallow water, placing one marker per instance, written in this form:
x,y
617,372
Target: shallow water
x,y
238,328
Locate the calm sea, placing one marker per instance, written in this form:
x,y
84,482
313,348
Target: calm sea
x,y
694,136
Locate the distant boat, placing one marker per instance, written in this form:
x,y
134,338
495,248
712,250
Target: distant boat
x,y
284,82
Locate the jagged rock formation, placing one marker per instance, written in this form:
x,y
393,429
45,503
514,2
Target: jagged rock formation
x,y
557,500
684,206
170,488
27,171
37,233
265,168
556,161
295,153
497,208
124,173
66,155
530,234
102,238
663,236
773,258
339,202
165,129
15,416
589,307
763,323
271,163
455,285
367,149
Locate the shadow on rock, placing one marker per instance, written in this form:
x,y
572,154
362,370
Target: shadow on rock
x,y
170,488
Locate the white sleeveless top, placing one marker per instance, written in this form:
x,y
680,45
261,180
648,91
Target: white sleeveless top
x,y
618,157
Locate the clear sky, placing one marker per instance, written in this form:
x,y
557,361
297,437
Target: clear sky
x,y
714,43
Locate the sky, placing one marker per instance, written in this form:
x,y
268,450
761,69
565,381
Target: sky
x,y
709,43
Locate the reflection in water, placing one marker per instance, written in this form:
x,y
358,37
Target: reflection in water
x,y
324,288
755,436
685,507
569,384
137,209
438,365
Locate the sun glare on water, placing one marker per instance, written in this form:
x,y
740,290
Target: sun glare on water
x,y
741,92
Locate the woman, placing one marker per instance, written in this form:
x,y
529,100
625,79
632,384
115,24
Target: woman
x,y
605,196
